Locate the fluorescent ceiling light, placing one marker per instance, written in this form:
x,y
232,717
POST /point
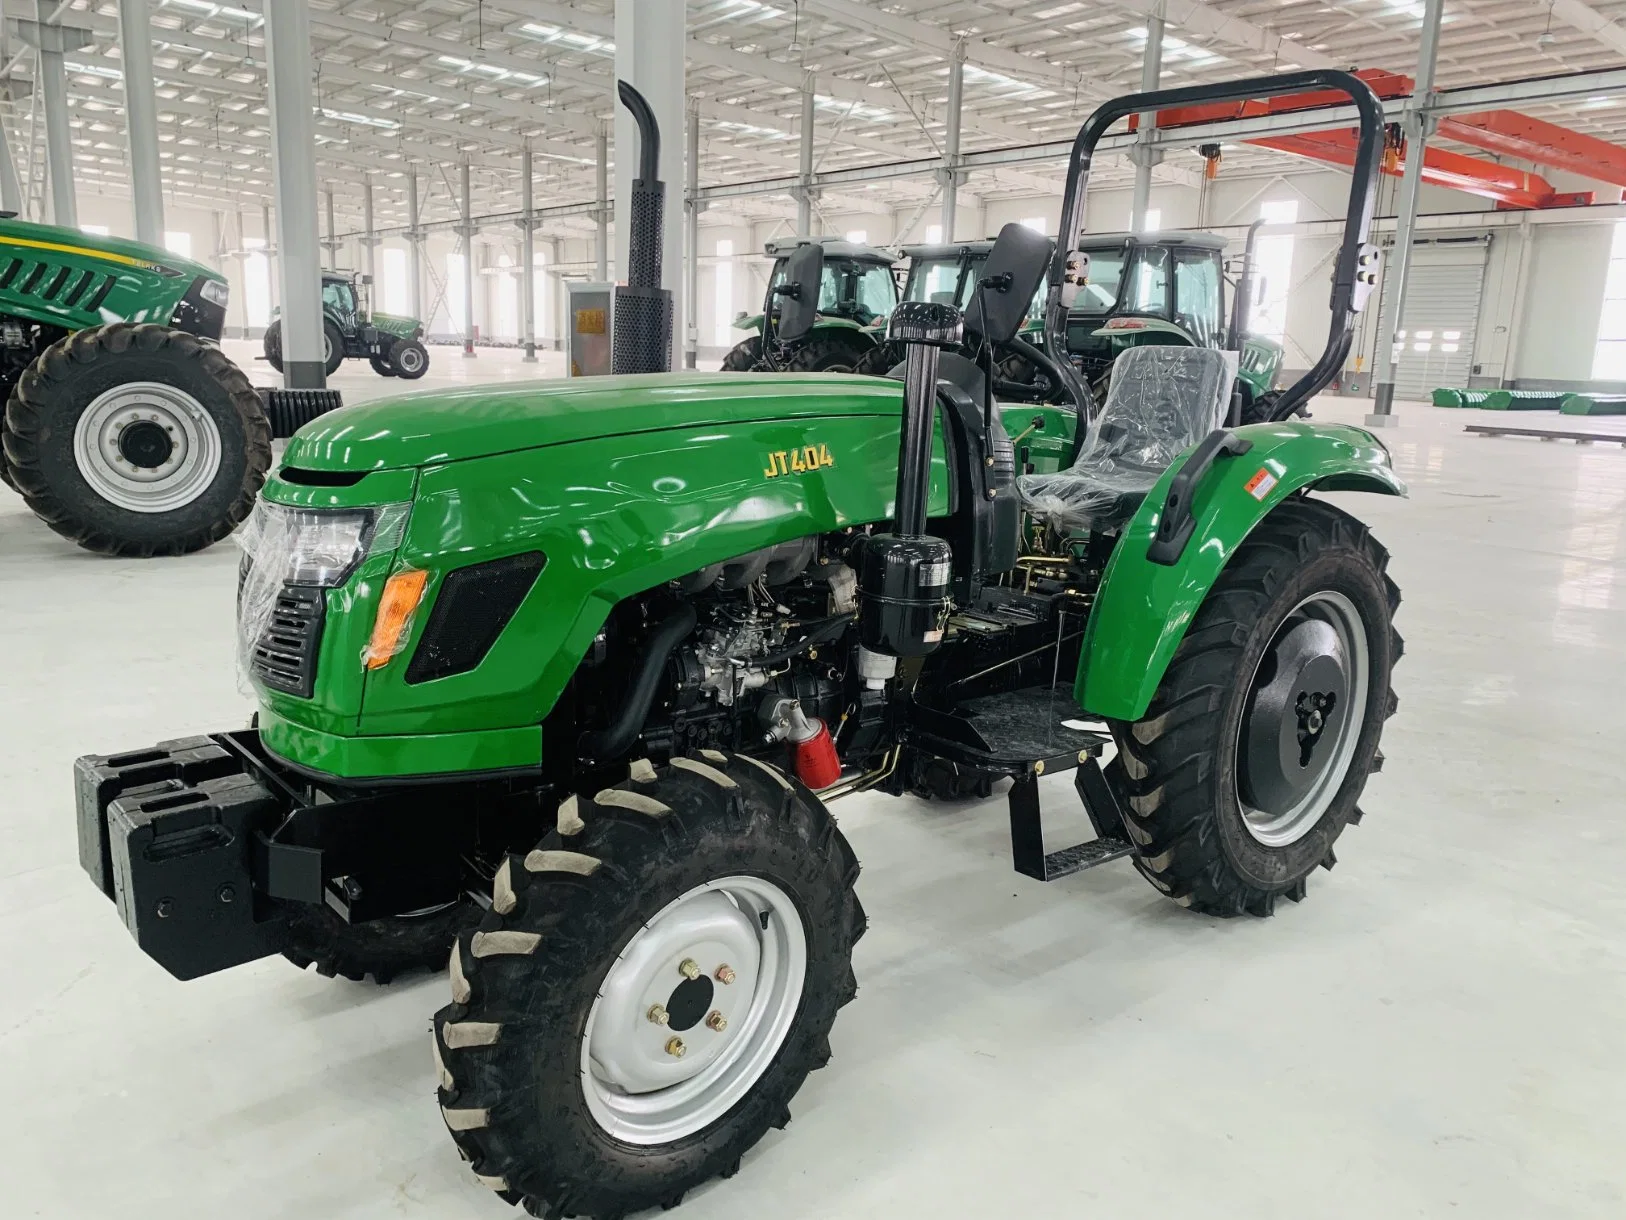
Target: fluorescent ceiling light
x,y
350,116
214,10
101,70
592,43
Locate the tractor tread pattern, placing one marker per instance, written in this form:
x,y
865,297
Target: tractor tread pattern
x,y
1165,762
545,1149
29,419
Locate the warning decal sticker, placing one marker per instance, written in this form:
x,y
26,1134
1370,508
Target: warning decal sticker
x,y
1259,486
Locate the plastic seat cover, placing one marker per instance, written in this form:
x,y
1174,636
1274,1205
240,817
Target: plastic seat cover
x,y
1162,401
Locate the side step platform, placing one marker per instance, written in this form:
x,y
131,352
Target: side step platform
x,y
1027,734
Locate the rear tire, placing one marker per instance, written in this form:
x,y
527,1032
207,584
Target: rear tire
x,y
821,354
743,356
385,948
1210,748
879,360
137,440
332,347
713,861
273,345
409,359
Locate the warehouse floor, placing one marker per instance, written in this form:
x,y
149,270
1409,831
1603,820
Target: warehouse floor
x,y
1435,1032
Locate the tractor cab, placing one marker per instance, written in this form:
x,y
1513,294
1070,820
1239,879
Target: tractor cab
x,y
948,274
1168,290
856,294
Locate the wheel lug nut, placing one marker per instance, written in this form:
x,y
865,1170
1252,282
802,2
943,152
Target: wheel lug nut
x,y
688,969
658,1015
716,1022
675,1047
725,975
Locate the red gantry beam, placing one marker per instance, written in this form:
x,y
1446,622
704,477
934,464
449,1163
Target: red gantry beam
x,y
1503,132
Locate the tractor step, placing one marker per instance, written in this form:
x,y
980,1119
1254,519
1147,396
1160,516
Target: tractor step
x,y
1028,855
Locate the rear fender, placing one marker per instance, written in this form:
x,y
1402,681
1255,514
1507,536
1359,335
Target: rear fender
x,y
1143,608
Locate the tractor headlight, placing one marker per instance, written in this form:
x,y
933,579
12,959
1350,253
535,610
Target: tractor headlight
x,y
216,292
317,546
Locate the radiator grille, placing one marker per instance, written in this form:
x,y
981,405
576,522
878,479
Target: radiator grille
x,y
285,657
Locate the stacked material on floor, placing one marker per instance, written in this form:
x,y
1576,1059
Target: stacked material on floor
x,y
1461,398
1523,400
1594,404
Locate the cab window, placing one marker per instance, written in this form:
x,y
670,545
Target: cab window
x,y
339,297
1197,294
1148,288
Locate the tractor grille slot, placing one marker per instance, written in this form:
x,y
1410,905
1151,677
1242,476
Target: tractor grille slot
x,y
474,605
13,266
94,301
78,286
57,280
34,277
285,657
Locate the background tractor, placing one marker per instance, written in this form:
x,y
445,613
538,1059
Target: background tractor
x,y
126,428
393,345
857,292
557,680
1168,289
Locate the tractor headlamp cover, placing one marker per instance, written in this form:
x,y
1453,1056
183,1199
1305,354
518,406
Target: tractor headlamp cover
x,y
216,292
313,547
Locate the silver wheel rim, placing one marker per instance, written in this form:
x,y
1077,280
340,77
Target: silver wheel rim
x,y
410,361
327,347
1289,826
185,474
640,1091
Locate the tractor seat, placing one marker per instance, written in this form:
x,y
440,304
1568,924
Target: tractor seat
x,y
1162,401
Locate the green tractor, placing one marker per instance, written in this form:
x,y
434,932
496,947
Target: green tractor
x,y
949,274
351,330
857,293
126,428
1168,289
556,682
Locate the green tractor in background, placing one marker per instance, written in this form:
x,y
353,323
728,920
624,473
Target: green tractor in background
x,y
351,330
126,428
1168,289
857,292
556,681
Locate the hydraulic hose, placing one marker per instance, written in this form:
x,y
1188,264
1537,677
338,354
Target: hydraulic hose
x,y
613,741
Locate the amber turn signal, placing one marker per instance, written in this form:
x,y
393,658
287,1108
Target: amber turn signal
x,y
402,593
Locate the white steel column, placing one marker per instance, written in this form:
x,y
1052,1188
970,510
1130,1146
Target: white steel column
x,y
649,53
332,242
601,251
804,165
369,236
141,119
466,228
415,249
272,274
1144,155
53,40
293,165
950,175
692,207
11,191
1417,127
527,254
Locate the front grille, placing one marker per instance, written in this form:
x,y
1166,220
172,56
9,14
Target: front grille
x,y
285,656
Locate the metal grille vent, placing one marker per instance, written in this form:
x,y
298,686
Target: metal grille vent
x,y
285,657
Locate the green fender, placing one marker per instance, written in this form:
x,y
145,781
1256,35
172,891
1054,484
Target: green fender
x,y
1143,609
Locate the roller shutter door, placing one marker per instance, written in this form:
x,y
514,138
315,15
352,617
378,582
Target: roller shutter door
x,y
1442,316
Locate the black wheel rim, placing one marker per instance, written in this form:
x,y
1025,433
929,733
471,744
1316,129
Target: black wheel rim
x,y
1302,718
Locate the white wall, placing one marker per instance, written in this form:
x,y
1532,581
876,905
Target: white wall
x,y
1563,300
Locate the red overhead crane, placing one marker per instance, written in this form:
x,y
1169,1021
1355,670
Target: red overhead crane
x,y
1503,132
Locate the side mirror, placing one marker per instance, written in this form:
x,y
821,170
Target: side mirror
x,y
1010,277
799,294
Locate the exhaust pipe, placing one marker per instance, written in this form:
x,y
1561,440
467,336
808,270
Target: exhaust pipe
x,y
642,342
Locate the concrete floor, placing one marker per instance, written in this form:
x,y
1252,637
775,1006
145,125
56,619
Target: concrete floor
x,y
1436,1032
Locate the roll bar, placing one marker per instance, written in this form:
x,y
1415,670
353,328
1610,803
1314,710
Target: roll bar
x,y
1354,274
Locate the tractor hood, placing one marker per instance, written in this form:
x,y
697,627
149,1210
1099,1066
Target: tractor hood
x,y
51,239
396,324
441,426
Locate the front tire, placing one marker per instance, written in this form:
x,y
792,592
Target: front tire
x,y
743,356
646,996
137,440
826,354
381,366
409,359
384,948
1248,764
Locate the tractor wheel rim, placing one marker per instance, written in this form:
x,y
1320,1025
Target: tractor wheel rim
x,y
147,447
409,360
693,1011
1303,716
